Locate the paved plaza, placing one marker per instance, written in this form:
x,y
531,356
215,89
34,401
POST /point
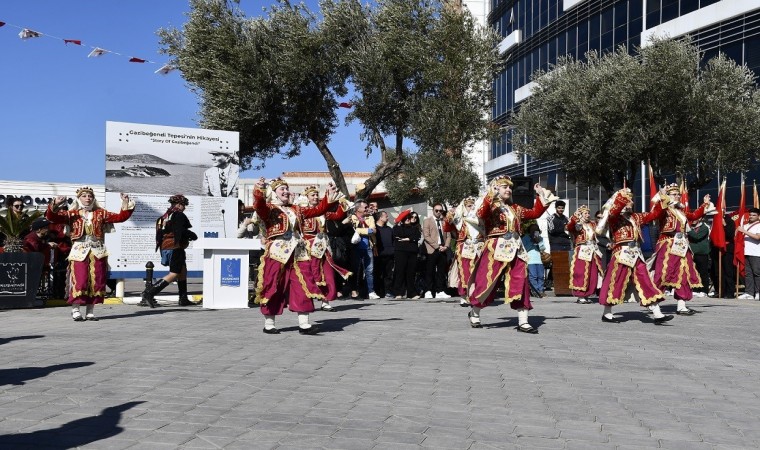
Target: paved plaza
x,y
383,374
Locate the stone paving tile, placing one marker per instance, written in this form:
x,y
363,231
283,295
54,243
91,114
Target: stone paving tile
x,y
383,384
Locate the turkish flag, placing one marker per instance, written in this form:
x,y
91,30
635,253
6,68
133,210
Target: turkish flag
x,y
137,60
345,105
718,233
72,41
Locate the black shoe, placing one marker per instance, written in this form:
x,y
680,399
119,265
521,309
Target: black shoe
x,y
311,330
526,328
464,305
143,302
473,324
185,302
663,319
687,312
91,318
271,331
613,320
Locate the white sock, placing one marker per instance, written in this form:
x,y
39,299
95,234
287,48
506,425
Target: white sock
x,y
268,322
656,310
475,315
75,310
682,305
325,304
90,309
522,317
303,321
608,311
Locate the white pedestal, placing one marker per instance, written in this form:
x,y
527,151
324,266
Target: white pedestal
x,y
224,286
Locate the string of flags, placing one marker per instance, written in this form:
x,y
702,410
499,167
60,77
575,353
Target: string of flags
x,y
26,34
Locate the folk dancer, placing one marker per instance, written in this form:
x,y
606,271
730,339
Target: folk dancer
x,y
586,271
503,252
469,243
173,236
88,259
674,266
627,271
323,265
285,274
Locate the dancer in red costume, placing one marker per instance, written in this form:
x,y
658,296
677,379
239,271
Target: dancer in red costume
x,y
323,265
504,253
469,243
674,262
285,275
586,270
88,259
627,271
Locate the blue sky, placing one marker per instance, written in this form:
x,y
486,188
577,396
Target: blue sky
x,y
56,101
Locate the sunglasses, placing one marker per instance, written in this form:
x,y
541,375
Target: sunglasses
x,y
437,210
18,206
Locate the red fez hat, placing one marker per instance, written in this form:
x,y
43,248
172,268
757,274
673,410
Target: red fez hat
x,y
403,215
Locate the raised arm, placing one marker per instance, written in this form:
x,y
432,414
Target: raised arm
x,y
127,208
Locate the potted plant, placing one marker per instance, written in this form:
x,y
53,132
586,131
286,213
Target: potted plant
x,y
13,227
19,272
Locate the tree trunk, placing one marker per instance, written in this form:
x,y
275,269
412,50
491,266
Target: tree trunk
x,y
332,166
383,171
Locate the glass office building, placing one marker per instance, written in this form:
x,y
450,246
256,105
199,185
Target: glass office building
x,y
537,32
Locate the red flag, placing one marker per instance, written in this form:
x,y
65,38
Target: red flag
x,y
345,105
718,234
652,185
739,241
72,41
2,23
755,199
684,196
137,60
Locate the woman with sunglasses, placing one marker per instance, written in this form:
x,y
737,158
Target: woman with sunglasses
x,y
406,237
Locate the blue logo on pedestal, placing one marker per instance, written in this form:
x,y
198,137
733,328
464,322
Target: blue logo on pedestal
x,y
210,234
230,272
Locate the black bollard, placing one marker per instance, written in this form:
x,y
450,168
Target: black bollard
x,y
148,275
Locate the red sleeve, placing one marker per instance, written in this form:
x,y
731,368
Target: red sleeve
x,y
697,213
260,205
338,214
652,215
447,226
121,216
571,225
318,210
534,213
485,207
57,216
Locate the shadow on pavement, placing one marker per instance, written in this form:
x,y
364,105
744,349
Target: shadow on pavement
x,y
332,325
20,338
348,307
19,376
73,434
150,312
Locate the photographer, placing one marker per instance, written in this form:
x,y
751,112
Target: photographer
x,y
534,245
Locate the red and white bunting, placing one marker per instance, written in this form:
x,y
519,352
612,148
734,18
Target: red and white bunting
x,y
26,34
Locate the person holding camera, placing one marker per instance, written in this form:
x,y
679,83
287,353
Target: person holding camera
x,y
534,245
586,271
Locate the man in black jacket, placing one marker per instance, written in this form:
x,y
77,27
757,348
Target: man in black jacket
x,y
559,240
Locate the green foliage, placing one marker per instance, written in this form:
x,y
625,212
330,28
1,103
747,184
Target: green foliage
x,y
600,118
12,227
440,180
420,72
